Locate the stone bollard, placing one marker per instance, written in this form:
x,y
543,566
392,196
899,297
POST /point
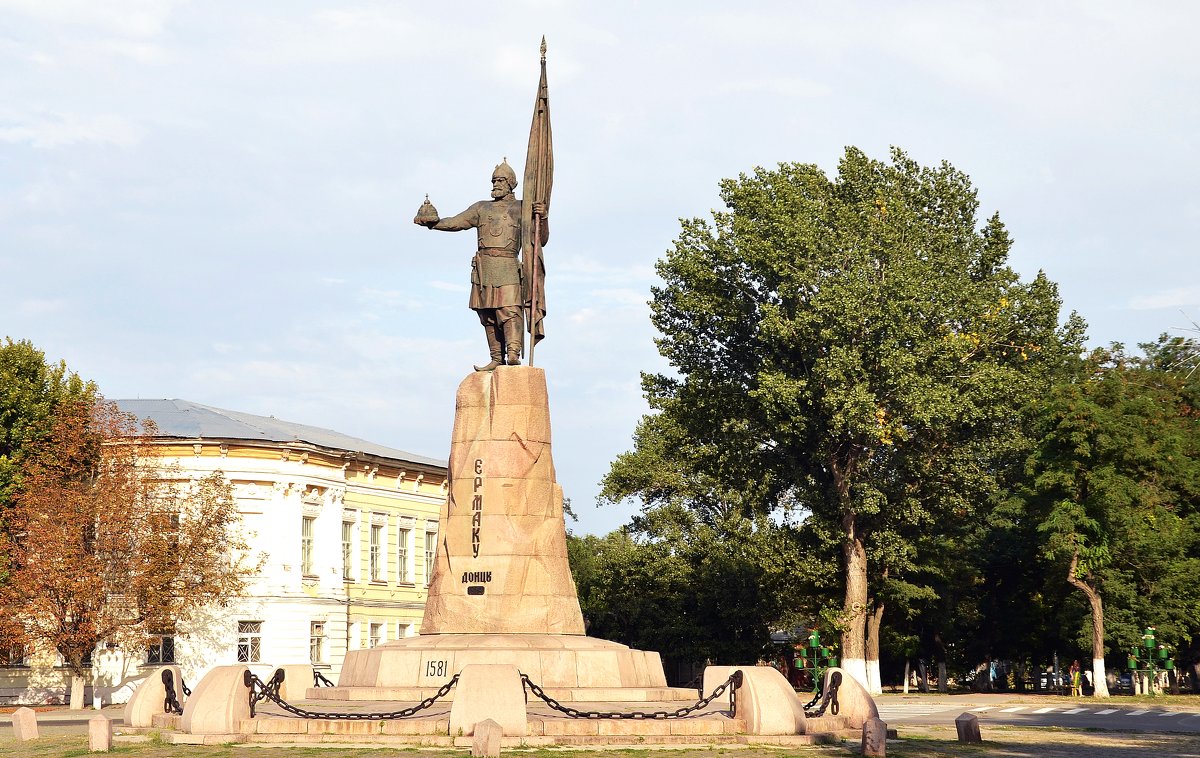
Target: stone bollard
x,y
99,734
489,692
968,728
874,738
486,741
24,722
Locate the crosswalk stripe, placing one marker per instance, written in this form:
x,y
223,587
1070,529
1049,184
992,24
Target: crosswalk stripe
x,y
983,708
1169,713
1077,710
1136,713
1106,711
1012,710
1045,710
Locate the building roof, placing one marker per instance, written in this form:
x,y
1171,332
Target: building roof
x,y
187,420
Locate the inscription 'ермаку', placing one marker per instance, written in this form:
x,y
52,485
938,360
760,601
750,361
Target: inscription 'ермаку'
x,y
477,508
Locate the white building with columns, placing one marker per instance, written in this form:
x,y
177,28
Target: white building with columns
x,y
347,530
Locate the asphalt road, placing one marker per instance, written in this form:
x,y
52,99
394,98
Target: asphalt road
x,y
1085,715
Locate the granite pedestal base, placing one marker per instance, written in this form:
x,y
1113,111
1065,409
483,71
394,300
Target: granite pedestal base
x,y
570,668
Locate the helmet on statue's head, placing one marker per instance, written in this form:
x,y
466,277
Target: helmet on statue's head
x,y
505,171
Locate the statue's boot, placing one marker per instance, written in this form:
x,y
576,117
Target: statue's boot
x,y
514,332
494,349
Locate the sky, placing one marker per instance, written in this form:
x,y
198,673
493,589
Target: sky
x,y
213,200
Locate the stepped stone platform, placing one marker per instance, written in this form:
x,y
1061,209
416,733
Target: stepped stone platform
x,y
545,727
569,668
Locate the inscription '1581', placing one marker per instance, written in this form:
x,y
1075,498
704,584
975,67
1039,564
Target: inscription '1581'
x,y
477,508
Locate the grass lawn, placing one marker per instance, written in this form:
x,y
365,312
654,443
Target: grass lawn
x,y
916,741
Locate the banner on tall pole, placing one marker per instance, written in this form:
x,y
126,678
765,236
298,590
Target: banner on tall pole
x,y
539,179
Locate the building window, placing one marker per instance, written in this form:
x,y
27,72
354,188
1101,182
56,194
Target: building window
x,y
402,556
430,553
161,650
376,635
306,545
316,642
347,549
402,629
12,656
249,646
376,552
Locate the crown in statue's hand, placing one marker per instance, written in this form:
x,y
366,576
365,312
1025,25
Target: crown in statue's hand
x,y
427,215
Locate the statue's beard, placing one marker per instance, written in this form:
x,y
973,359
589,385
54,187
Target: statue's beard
x,y
498,193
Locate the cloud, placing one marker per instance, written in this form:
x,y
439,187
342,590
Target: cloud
x,y
621,296
51,129
782,86
340,36
449,286
127,18
38,307
1175,297
574,268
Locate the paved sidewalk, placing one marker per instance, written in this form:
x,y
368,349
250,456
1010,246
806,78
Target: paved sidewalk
x,y
61,720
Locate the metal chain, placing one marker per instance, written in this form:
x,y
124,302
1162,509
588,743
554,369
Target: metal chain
x,y
732,683
816,699
320,680
270,691
830,698
171,701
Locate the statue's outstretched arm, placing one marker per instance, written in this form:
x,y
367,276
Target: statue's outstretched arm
x,y
468,219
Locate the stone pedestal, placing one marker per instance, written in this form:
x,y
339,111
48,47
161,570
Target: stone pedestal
x,y
502,558
502,590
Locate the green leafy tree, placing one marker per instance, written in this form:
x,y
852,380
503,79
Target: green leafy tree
x,y
851,350
1115,486
696,593
31,390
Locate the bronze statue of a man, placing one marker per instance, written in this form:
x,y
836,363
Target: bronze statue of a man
x,y
498,289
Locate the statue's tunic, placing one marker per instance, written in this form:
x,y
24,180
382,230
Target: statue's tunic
x,y
495,269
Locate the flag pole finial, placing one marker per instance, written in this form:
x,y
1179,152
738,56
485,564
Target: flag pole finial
x,y
543,48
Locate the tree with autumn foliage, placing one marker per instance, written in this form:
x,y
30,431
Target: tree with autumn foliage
x,y
104,543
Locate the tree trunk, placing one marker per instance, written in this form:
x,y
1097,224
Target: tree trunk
x,y
906,674
1099,682
941,661
854,608
77,685
1019,679
875,686
924,676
